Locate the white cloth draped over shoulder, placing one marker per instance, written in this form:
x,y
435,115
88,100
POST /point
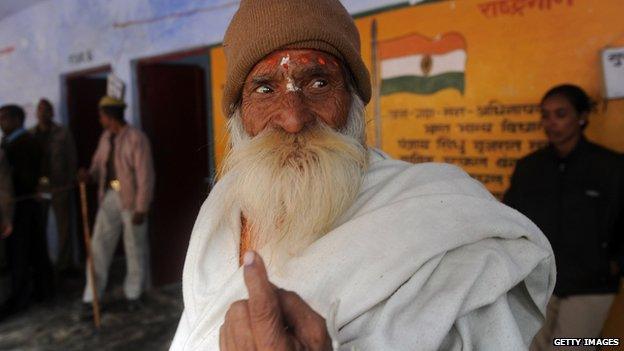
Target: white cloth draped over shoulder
x,y
425,259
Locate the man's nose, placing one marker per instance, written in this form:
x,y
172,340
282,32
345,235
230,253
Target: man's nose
x,y
294,114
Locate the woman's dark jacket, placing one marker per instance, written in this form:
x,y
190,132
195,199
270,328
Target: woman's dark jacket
x,y
578,202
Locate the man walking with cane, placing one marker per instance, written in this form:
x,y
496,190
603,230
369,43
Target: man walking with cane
x,y
123,168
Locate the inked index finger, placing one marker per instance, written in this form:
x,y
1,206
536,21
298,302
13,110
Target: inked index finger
x,y
264,308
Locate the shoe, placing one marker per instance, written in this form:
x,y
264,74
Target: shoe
x,y
7,311
11,308
134,305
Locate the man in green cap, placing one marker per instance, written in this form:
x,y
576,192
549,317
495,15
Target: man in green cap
x,y
123,169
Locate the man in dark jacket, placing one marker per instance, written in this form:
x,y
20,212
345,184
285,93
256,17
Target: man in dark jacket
x,y
58,170
6,197
27,249
574,191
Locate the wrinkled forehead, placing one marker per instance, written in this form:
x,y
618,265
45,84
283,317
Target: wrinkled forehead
x,y
296,62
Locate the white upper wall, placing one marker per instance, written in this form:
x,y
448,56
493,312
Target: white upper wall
x,y
9,7
40,44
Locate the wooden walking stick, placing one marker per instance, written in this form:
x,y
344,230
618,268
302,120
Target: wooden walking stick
x,y
87,240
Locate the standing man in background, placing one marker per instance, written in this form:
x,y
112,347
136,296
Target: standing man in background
x,y
58,170
6,217
574,191
123,168
6,197
27,249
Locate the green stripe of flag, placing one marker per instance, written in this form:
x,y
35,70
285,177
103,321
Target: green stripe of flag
x,y
423,85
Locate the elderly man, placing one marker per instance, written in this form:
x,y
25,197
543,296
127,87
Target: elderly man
x,y
58,172
123,168
362,251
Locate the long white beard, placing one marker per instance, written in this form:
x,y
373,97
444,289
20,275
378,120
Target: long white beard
x,y
291,188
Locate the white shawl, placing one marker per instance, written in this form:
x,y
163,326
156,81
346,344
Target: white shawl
x,y
425,259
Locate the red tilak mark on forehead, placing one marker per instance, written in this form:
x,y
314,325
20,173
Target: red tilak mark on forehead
x,y
321,61
305,59
285,66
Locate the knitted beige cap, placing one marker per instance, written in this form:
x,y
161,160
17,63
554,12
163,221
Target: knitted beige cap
x,y
260,27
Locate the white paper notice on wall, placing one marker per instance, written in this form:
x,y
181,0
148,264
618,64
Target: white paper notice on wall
x,y
115,87
613,70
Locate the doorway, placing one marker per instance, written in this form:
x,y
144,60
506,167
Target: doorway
x,y
173,105
83,91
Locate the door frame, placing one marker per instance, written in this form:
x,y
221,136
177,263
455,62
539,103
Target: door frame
x,y
65,77
172,56
75,224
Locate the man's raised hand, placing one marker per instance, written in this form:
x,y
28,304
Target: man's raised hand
x,y
272,318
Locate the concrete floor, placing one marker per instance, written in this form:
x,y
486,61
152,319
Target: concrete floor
x,y
58,325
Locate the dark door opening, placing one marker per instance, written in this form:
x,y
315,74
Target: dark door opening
x,y
83,91
173,107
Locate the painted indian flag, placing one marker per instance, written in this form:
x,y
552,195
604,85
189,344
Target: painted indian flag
x,y
419,65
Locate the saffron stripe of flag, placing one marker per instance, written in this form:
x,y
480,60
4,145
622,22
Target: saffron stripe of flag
x,y
419,44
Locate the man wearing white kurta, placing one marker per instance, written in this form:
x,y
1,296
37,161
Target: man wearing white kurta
x,y
362,251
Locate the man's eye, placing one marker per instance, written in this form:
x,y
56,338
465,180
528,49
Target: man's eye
x,y
319,83
263,89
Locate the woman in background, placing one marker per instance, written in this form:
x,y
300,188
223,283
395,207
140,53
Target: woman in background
x,y
573,190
